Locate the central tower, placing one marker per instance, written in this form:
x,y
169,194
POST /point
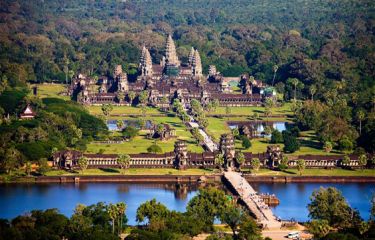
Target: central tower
x,y
170,53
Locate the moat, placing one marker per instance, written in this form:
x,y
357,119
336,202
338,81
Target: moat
x,y
18,199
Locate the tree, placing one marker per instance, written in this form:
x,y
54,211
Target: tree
x,y
276,136
43,166
346,160
246,143
113,214
362,160
120,124
255,164
283,163
11,158
360,118
231,215
249,229
235,132
154,148
219,159
107,109
121,208
327,146
153,211
300,165
28,168
291,144
294,82
312,91
319,228
240,158
120,96
275,68
131,96
143,97
345,144
123,160
206,205
329,204
83,163
130,132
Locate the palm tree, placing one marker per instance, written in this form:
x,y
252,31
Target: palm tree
x,y
312,90
360,117
300,166
275,68
121,207
83,163
120,96
123,160
112,212
294,82
219,160
255,163
131,96
240,158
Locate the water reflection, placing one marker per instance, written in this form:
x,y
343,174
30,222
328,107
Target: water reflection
x,y
17,199
259,126
112,124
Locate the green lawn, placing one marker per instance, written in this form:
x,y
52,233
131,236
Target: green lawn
x,y
140,143
51,90
134,171
283,110
316,172
124,110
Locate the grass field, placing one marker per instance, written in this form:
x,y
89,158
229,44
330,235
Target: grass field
x,y
51,90
124,110
316,172
134,171
283,110
140,143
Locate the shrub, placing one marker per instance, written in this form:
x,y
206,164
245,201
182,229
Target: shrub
x,y
154,148
246,142
276,137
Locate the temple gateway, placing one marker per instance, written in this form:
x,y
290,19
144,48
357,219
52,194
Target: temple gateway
x,y
162,83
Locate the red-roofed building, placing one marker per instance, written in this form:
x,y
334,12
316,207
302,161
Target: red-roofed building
x,y
28,113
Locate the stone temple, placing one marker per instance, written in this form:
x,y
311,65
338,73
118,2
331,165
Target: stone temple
x,y
169,79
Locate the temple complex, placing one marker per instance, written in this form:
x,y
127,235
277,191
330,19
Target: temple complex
x,y
167,80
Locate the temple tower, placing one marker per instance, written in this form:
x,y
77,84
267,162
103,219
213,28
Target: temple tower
x,y
170,52
145,64
180,150
197,64
122,82
228,150
191,56
117,71
212,70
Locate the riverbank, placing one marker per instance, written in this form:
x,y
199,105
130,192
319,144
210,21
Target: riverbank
x,y
213,178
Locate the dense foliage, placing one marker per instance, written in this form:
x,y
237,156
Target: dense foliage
x,y
58,124
333,218
101,221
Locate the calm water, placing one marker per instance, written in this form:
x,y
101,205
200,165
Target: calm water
x,y
17,199
260,126
112,124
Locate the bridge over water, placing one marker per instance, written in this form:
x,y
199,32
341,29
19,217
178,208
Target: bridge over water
x,y
252,200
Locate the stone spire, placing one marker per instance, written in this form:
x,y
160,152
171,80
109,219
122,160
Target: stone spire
x,y
197,64
145,64
170,52
191,56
